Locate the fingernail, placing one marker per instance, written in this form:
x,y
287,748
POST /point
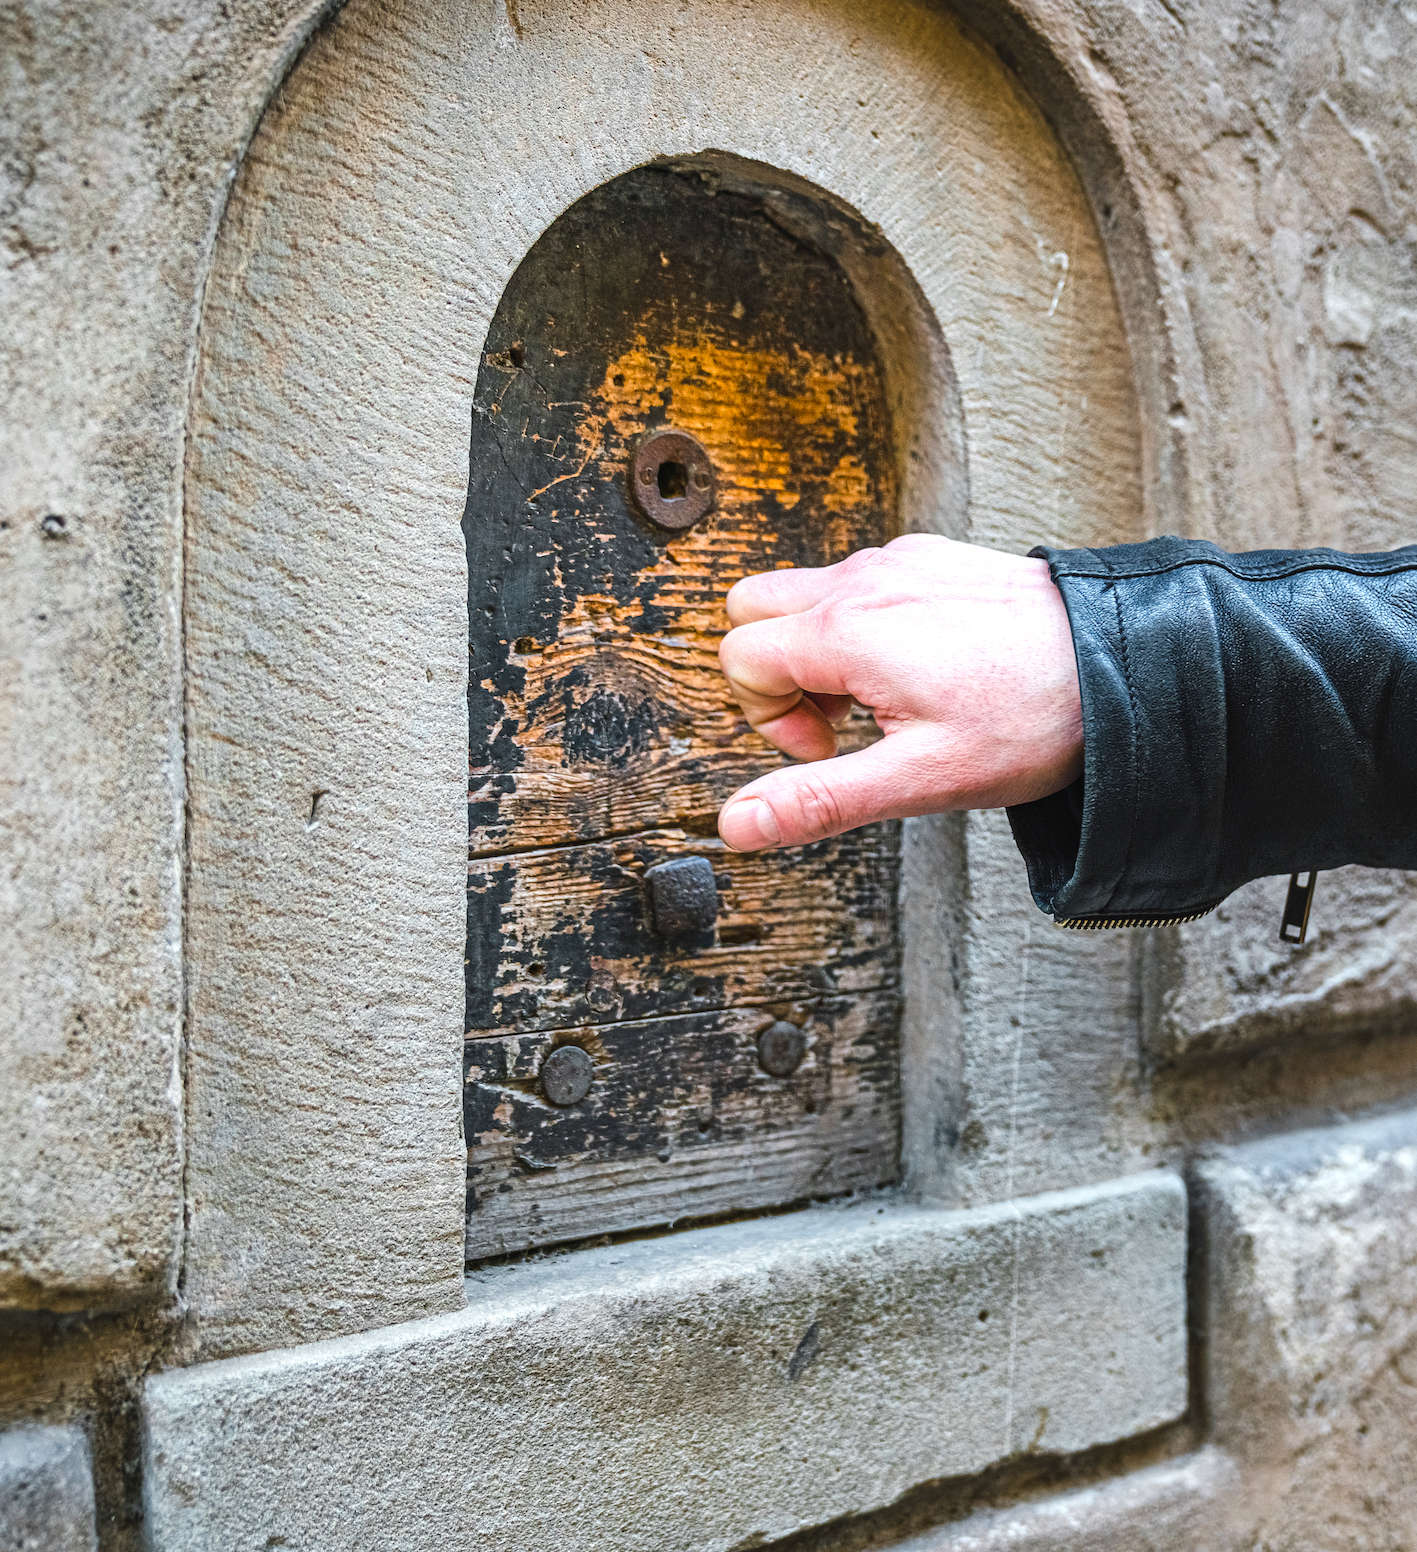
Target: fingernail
x,y
749,825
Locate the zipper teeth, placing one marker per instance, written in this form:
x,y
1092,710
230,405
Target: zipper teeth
x,y
1101,923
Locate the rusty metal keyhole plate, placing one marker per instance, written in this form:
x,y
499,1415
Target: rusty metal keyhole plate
x,y
672,479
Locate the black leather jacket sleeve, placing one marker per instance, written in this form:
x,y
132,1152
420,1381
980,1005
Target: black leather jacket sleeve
x,y
1243,715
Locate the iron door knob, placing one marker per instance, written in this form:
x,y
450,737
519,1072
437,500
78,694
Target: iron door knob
x,y
683,897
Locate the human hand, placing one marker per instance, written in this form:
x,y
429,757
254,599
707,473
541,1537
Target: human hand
x,y
963,655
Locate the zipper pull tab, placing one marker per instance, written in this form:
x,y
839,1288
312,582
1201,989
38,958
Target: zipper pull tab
x,y
1295,925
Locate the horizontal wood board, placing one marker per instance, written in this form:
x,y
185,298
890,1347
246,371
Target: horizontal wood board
x,y
567,935
680,1122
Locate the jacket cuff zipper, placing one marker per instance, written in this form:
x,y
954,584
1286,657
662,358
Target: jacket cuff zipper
x,y
1293,926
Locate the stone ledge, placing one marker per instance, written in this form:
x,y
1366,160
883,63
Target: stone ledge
x,y
46,1491
703,1391
1179,1503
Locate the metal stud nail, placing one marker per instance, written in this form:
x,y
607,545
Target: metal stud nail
x,y
683,897
781,1047
603,994
566,1075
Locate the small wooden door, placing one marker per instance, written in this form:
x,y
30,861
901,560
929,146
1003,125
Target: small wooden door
x,y
749,1058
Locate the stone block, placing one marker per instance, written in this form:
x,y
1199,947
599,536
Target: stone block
x,y
705,1391
1227,982
1310,1259
46,1491
1035,1063
1164,1508
113,167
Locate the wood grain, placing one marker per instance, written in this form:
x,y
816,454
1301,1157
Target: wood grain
x,y
567,935
595,703
680,1122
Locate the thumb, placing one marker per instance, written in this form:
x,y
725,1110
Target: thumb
x,y
802,803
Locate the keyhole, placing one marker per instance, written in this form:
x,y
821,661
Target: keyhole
x,y
673,480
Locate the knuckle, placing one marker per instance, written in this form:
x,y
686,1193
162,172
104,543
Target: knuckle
x,y
754,587
863,560
832,616
738,647
838,614
837,628
908,543
736,659
818,810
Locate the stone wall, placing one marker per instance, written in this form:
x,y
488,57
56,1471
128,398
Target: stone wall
x,y
1150,1281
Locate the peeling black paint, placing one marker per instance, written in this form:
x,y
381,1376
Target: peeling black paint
x,y
565,741
677,1083
487,900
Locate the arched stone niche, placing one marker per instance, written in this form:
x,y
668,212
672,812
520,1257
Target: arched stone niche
x,y
407,165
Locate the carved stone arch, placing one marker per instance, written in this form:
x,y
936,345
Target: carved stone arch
x,y
408,163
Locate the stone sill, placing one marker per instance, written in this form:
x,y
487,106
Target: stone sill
x,y
704,1390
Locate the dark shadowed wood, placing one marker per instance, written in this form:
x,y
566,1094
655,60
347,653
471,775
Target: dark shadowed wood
x,y
602,739
681,1121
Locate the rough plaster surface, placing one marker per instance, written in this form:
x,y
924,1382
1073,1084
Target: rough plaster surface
x,y
46,1491
1228,983
697,1392
1310,1257
1251,168
119,123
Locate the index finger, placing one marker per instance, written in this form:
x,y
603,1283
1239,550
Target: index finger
x,y
766,664
768,594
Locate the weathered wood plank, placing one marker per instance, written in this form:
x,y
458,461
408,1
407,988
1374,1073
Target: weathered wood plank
x,y
567,935
602,738
681,1121
595,702
622,736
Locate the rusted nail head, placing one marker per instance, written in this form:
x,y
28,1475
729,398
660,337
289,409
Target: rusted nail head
x,y
672,478
602,993
683,896
566,1075
781,1047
